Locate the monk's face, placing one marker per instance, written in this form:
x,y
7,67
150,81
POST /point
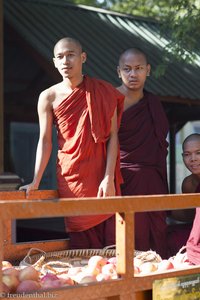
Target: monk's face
x,y
191,156
68,59
133,70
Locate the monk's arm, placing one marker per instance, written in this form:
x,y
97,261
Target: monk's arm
x,y
185,215
44,146
107,186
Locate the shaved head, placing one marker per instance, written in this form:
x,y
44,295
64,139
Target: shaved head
x,y
68,40
191,138
135,51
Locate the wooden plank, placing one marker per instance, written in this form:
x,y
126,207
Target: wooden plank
x,y
93,291
124,244
64,207
20,195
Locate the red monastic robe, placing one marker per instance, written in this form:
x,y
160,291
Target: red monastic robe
x,y
83,122
193,243
143,150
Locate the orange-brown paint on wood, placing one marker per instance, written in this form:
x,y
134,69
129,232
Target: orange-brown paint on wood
x,y
14,205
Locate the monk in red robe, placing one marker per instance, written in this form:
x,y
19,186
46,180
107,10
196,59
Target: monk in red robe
x,y
143,148
86,113
191,184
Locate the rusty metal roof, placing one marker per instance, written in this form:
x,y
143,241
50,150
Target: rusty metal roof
x,y
103,34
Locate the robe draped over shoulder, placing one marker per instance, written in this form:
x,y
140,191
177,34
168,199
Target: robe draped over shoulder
x,y
83,123
193,242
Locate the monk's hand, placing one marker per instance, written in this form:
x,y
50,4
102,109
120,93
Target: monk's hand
x,y
28,187
106,188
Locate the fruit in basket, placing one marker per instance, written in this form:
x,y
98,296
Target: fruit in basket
x,y
6,264
137,262
66,279
109,270
101,277
73,271
50,280
5,288
11,271
112,260
136,270
165,265
147,267
83,277
28,286
29,273
11,281
97,262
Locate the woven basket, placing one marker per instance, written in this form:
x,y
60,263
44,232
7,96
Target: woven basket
x,y
64,255
58,261
77,257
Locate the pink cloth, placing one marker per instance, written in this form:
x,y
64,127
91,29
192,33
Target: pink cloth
x,y
143,150
193,243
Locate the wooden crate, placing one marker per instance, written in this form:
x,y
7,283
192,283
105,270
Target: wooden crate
x,y
15,205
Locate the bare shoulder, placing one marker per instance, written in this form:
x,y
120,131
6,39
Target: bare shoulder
x,y
189,184
49,93
48,96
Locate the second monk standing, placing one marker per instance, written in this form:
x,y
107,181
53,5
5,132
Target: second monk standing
x,y
143,145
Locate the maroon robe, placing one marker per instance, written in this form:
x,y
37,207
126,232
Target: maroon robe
x,y
193,243
143,151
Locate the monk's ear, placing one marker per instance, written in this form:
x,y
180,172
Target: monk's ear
x,y
148,69
54,61
118,72
84,57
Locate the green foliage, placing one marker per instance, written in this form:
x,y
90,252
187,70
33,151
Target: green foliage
x,y
179,19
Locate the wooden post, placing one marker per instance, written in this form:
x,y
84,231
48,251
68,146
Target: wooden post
x,y
1,92
172,149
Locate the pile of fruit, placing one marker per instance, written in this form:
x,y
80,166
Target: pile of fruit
x,y
148,262
56,274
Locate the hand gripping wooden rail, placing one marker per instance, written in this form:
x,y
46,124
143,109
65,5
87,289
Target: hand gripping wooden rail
x,y
15,205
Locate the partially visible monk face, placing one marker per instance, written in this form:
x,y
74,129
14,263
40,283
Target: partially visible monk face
x,y
191,156
68,58
133,70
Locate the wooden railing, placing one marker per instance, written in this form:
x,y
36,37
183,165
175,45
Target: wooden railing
x,y
15,205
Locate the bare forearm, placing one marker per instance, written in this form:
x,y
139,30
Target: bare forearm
x,y
42,157
112,150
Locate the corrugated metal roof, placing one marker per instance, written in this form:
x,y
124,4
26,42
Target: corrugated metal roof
x,y
104,35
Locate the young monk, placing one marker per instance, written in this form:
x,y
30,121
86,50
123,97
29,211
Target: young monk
x,y
179,231
143,148
86,113
191,184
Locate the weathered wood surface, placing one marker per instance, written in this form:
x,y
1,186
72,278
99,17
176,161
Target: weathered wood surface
x,y
14,205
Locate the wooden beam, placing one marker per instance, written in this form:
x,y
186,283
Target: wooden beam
x,y
179,100
1,92
172,150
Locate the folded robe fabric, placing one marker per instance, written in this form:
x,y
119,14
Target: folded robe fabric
x,y
193,242
83,122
